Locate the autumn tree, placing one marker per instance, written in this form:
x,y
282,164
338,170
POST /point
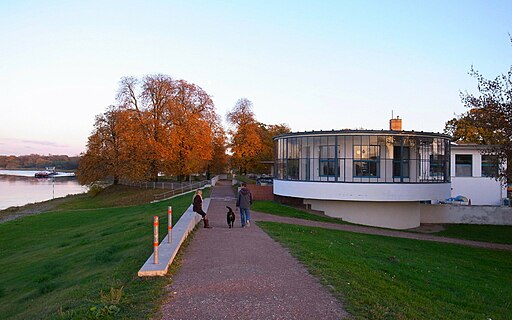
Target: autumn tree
x,y
149,106
174,119
106,148
267,133
251,141
219,162
191,121
489,118
465,129
245,137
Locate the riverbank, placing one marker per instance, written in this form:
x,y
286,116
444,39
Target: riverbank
x,y
112,196
78,260
16,212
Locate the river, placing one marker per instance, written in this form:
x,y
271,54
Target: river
x,y
18,187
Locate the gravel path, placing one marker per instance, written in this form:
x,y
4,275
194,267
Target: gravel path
x,y
242,273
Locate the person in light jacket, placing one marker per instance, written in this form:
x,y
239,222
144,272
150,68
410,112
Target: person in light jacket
x,y
244,201
198,207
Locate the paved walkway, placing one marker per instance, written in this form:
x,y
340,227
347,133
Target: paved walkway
x,y
242,273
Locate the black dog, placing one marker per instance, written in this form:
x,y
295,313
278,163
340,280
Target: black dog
x,y
230,217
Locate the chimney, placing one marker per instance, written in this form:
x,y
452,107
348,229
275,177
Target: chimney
x,y
395,124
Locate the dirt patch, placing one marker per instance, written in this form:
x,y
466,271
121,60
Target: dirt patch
x,y
14,213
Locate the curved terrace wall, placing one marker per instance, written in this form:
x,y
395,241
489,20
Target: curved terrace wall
x,y
362,191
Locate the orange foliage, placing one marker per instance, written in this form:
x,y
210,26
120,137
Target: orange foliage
x,y
251,142
245,138
169,126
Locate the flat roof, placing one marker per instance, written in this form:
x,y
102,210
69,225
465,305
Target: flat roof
x,y
350,132
471,146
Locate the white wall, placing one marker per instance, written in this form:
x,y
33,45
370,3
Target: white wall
x,y
394,215
481,190
363,191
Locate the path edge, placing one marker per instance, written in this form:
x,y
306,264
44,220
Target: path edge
x,y
167,251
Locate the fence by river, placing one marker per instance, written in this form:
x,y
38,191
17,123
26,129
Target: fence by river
x,y
174,188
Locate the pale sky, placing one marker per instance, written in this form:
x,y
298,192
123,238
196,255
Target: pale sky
x,y
314,65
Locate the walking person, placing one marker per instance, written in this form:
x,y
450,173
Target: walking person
x,y
198,207
244,201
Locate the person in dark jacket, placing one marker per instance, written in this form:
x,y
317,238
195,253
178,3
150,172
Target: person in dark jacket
x,y
198,207
244,201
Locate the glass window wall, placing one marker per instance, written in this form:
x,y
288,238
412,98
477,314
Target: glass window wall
x,y
363,158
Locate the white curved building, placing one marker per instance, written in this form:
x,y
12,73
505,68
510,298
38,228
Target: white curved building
x,y
370,177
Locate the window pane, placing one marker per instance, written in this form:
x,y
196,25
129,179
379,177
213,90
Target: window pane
x,y
463,159
366,168
463,165
397,154
357,152
405,167
436,165
293,169
401,161
327,152
360,168
373,169
489,165
373,152
489,171
463,171
327,168
364,152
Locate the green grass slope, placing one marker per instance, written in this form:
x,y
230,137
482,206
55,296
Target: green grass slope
x,y
83,262
390,278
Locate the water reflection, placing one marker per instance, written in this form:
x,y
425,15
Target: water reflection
x,y
20,190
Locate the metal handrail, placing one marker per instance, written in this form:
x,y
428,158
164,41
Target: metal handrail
x,y
183,189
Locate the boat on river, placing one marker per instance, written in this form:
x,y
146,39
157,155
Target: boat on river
x,y
47,173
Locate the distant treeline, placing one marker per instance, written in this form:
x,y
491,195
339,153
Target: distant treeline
x,y
35,161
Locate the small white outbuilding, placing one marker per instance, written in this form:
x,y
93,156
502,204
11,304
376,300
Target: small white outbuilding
x,y
473,173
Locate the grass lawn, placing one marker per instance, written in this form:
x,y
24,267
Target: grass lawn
x,y
83,262
245,179
486,233
390,278
489,233
287,211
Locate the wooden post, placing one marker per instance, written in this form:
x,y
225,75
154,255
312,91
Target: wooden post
x,y
169,224
155,239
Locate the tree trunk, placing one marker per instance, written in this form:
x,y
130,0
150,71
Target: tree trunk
x,y
153,171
